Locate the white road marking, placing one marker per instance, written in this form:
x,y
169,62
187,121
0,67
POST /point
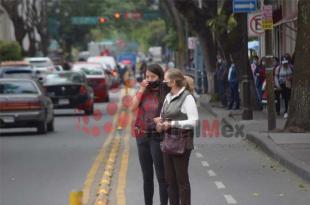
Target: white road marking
x,y
230,199
205,164
199,155
211,173
220,185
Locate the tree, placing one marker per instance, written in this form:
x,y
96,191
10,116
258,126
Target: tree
x,y
29,21
197,18
299,109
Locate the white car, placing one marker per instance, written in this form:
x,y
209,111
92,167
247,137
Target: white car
x,y
42,64
107,61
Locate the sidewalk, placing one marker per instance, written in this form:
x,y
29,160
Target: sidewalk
x,y
292,150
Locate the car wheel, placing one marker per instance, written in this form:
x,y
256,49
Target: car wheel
x,y
50,126
42,127
90,111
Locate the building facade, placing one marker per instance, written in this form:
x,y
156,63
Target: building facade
x,y
284,31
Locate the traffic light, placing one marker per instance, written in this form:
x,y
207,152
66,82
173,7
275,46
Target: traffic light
x,y
102,20
117,15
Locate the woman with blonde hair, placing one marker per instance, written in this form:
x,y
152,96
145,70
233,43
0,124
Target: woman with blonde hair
x,y
179,116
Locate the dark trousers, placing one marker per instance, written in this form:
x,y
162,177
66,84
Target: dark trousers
x,y
286,95
222,92
176,169
278,103
151,155
234,95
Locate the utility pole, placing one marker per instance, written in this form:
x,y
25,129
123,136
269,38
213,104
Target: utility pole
x,y
269,77
270,91
247,113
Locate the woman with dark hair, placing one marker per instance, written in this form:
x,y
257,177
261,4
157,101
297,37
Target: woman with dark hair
x,y
148,103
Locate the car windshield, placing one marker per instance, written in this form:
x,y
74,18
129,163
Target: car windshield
x,y
64,78
15,87
88,69
41,64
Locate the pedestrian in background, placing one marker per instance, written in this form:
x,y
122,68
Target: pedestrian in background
x,y
233,82
254,65
260,74
277,91
179,114
283,81
148,103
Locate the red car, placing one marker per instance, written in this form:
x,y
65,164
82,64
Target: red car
x,y
97,79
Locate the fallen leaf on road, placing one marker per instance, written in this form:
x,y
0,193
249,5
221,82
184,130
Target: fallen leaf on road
x,y
256,194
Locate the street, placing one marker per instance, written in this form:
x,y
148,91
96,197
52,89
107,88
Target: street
x,y
44,169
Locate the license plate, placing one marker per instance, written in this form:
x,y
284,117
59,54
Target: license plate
x,y
63,101
8,119
52,94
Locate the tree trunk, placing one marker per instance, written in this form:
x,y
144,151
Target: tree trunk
x,y
299,110
209,52
179,25
197,19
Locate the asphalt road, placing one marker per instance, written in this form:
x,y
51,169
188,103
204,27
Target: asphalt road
x,y
228,171
43,169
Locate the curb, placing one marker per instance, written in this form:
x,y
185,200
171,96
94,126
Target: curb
x,y
266,144
277,153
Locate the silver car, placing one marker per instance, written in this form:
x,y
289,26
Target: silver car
x,y
24,103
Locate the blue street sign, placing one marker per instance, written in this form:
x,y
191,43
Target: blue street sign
x,y
244,6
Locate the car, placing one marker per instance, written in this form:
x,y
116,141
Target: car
x,y
110,67
97,79
69,89
24,103
107,61
42,64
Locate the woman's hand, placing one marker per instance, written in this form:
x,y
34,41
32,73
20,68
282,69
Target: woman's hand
x,y
143,85
157,120
166,125
159,127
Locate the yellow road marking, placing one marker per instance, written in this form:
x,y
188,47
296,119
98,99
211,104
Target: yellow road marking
x,y
122,177
99,159
104,186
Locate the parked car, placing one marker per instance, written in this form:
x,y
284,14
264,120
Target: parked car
x,y
42,64
96,78
110,67
69,89
24,103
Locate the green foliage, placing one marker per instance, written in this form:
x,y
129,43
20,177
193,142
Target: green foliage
x,y
144,32
171,39
10,50
149,34
221,23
